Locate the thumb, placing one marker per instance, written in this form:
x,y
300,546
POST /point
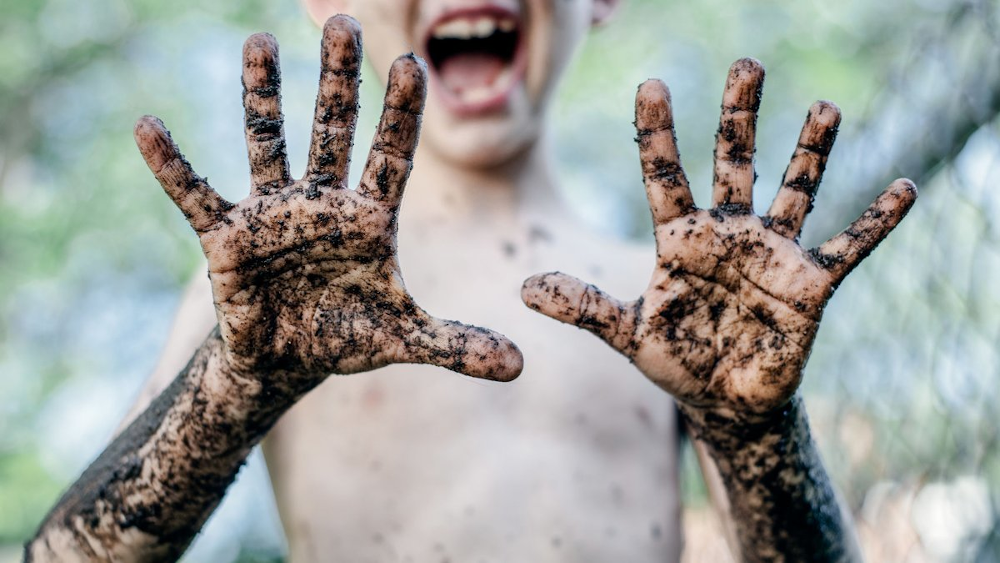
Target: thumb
x,y
572,301
466,349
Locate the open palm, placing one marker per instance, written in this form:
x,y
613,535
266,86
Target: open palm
x,y
734,302
304,272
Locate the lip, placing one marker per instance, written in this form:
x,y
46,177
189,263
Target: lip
x,y
500,100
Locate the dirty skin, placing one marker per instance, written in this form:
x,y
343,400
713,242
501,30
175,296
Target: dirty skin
x,y
777,487
306,284
192,439
732,309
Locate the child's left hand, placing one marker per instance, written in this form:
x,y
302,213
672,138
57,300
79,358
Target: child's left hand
x,y
732,309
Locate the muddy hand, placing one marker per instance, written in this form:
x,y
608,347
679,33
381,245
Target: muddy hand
x,y
734,302
304,272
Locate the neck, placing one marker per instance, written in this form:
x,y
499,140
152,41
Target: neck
x,y
523,187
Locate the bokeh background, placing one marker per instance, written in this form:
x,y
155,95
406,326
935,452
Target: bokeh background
x,y
904,382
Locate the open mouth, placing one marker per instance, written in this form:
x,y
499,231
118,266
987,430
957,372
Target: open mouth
x,y
475,54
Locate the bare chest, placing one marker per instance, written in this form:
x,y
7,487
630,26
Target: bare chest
x,y
574,461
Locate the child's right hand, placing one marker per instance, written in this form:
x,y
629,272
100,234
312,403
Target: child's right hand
x,y
304,272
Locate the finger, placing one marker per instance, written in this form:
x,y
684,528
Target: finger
x,y
734,142
843,252
572,301
471,350
805,171
337,103
391,155
202,206
264,122
666,184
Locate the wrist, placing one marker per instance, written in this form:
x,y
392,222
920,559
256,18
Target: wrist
x,y
725,429
238,395
780,496
251,395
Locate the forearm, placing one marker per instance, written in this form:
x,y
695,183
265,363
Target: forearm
x,y
151,490
781,501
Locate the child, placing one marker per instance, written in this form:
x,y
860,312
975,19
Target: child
x,y
577,460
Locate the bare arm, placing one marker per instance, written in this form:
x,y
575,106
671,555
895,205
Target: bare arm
x,y
147,495
305,282
780,501
731,313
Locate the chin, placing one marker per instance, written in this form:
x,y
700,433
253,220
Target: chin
x,y
482,142
479,142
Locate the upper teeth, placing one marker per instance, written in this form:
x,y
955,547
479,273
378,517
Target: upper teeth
x,y
473,28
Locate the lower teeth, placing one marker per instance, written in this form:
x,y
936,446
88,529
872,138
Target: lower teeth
x,y
482,93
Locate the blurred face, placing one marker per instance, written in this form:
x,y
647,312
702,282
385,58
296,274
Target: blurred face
x,y
493,64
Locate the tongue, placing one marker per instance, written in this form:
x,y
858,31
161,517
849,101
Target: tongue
x,y
470,70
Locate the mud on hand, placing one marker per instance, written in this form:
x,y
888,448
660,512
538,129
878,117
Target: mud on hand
x,y
734,302
304,272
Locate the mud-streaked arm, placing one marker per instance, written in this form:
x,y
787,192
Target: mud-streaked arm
x,y
149,493
770,488
732,310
